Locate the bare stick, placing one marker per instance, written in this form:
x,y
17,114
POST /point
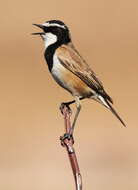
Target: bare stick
x,y
68,144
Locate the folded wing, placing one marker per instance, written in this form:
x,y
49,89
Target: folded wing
x,y
71,60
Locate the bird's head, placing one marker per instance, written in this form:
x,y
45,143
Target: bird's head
x,y
54,31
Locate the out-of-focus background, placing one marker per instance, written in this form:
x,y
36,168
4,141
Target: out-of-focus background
x,y
106,35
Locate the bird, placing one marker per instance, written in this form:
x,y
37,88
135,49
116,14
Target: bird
x,y
69,69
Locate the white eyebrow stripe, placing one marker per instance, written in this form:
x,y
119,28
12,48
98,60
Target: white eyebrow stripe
x,y
47,24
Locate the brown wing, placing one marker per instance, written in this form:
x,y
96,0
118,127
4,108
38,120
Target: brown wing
x,y
70,58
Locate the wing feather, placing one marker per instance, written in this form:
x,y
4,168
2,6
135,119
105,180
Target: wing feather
x,y
71,60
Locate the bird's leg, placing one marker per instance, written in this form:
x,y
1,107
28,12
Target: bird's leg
x,y
77,100
72,102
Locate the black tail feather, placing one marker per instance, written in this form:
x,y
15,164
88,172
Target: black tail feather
x,y
105,96
115,113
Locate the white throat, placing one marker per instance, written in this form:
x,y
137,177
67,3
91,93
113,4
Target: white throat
x,y
49,39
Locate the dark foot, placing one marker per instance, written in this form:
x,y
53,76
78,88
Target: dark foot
x,y
63,105
66,136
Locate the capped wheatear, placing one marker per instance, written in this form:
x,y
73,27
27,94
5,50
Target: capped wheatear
x,y
69,69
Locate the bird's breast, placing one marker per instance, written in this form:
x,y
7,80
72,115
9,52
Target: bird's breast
x,y
68,80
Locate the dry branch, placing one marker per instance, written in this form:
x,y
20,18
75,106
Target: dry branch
x,y
68,144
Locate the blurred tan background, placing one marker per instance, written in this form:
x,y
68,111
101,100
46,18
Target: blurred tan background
x,y
106,34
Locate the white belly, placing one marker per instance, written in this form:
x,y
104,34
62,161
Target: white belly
x,y
58,73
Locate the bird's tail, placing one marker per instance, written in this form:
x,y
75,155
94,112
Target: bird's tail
x,y
108,105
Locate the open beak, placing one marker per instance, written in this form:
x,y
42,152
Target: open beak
x,y
39,25
39,33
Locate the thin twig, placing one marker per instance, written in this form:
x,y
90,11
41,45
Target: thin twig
x,y
68,144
